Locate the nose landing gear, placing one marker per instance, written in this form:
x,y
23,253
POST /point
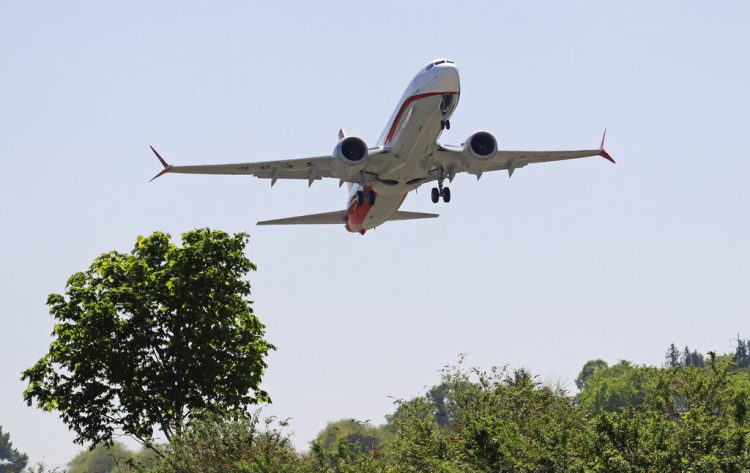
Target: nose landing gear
x,y
445,108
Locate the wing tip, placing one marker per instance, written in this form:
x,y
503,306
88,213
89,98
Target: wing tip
x,y
607,156
164,163
158,156
604,153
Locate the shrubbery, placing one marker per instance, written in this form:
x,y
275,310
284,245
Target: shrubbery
x,y
626,418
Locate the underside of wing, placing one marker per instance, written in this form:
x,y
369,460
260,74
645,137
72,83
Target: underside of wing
x,y
459,159
305,168
327,218
310,169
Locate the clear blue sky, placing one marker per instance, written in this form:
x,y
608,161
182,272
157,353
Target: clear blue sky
x,y
562,263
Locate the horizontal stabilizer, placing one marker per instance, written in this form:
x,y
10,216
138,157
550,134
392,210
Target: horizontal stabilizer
x,y
339,217
313,219
399,215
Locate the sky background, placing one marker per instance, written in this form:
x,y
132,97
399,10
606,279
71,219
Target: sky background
x,y
560,264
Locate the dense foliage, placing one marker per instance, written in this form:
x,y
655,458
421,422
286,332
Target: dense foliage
x,y
240,443
11,460
113,458
148,338
626,418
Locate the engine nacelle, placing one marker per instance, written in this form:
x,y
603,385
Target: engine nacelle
x,y
480,145
349,157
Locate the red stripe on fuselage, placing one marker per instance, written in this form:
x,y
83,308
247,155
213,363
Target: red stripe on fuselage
x,y
403,108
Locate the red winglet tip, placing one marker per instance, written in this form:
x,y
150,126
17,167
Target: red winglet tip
x,y
163,171
606,156
164,163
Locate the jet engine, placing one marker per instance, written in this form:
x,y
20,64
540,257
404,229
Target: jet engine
x,y
480,145
349,157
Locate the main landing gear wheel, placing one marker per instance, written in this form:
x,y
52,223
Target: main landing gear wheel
x,y
371,197
440,190
360,198
446,193
445,124
435,195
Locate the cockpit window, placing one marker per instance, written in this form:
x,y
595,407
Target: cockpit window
x,y
437,63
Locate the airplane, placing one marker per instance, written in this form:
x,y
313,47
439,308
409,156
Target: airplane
x,y
406,156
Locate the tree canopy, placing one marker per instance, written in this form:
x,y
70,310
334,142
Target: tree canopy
x,y
10,458
102,459
588,370
146,339
614,388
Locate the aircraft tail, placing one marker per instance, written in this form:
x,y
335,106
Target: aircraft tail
x,y
339,217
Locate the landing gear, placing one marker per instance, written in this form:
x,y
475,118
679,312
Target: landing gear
x,y
440,190
446,195
445,108
361,196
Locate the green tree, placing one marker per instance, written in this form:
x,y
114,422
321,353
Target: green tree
x,y
686,358
691,419
672,356
146,339
502,421
11,460
696,359
239,443
588,370
742,353
357,435
617,387
102,459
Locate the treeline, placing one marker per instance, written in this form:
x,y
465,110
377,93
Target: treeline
x,y
163,342
675,357
625,418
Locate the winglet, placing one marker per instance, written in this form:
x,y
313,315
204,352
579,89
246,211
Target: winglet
x,y
602,152
167,167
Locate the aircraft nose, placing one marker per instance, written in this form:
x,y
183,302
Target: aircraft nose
x,y
447,79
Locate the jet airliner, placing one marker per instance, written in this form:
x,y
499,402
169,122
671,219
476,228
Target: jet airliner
x,y
406,156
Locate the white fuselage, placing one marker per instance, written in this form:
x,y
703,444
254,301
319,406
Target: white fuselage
x,y
410,137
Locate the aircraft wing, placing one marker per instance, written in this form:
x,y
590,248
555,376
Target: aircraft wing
x,y
452,158
310,169
306,168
